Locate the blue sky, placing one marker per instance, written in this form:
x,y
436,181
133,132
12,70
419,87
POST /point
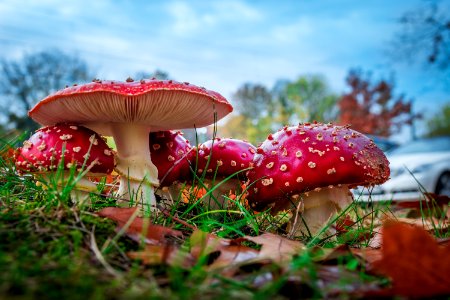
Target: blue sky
x,y
222,44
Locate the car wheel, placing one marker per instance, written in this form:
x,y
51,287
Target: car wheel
x,y
443,184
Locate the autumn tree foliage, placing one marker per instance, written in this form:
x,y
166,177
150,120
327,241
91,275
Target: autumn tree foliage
x,y
372,108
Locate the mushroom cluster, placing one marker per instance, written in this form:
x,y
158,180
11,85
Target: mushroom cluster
x,y
129,111
312,167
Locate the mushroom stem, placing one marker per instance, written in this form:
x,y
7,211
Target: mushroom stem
x,y
318,208
138,175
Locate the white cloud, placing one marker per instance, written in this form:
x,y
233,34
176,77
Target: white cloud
x,y
187,20
292,32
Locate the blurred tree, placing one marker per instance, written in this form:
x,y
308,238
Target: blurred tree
x,y
371,108
425,36
255,109
262,111
311,99
439,124
25,82
157,74
252,100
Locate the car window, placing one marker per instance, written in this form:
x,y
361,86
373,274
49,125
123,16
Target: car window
x,y
425,145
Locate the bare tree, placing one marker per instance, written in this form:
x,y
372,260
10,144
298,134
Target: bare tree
x,y
26,81
425,36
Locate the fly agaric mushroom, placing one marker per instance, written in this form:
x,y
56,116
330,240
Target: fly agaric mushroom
x,y
313,166
221,158
169,151
76,146
129,111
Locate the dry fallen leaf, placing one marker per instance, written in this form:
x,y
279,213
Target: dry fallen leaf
x,y
277,248
227,253
138,227
413,260
164,254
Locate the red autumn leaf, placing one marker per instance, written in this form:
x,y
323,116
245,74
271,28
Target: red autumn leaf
x,y
154,234
413,260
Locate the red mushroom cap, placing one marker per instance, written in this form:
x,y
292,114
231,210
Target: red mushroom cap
x,y
308,156
228,156
158,104
169,151
43,151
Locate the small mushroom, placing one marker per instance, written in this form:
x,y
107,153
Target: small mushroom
x,y
129,111
311,167
170,153
221,158
68,147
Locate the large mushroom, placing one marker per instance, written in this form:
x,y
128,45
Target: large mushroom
x,y
221,158
128,111
312,167
66,146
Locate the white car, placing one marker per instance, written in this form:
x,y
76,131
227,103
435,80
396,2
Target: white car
x,y
417,167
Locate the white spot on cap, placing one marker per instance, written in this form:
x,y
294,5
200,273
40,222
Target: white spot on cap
x,y
312,165
76,149
269,165
170,158
42,146
342,158
107,152
73,127
27,145
219,163
299,179
156,146
233,163
267,181
93,140
283,167
298,154
331,171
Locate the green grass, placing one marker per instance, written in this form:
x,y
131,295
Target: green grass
x,y
51,248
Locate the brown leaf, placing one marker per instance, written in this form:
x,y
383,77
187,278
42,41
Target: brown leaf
x,y
203,243
416,264
277,248
164,254
369,255
228,252
154,234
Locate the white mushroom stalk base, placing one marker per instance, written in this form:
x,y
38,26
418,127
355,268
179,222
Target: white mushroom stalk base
x,y
316,209
81,189
138,175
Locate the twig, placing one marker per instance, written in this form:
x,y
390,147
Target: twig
x,y
167,214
